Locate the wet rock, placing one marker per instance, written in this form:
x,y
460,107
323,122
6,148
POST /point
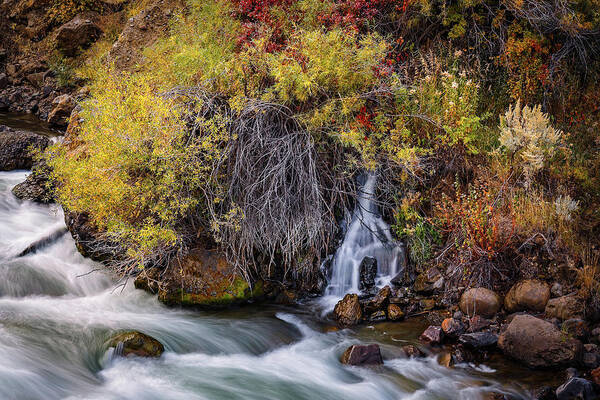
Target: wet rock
x,y
530,294
378,316
136,344
348,311
17,148
426,281
36,187
202,279
576,388
432,335
379,302
453,327
445,359
462,355
362,355
591,356
89,241
564,307
368,271
478,323
480,301
62,106
412,351
576,327
478,339
394,312
538,343
76,35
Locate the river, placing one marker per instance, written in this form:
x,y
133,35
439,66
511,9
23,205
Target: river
x,y
57,310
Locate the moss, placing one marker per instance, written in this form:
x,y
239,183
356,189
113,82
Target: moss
x,y
222,295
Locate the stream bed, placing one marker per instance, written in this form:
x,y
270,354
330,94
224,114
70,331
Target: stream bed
x,y
58,309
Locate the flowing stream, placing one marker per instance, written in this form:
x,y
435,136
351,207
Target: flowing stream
x,y
57,310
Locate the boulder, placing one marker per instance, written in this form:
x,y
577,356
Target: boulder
x,y
136,344
368,272
564,307
36,187
362,355
89,241
77,34
379,302
348,311
394,312
530,294
432,335
426,281
576,388
480,301
18,147
203,279
538,343
62,106
453,327
478,339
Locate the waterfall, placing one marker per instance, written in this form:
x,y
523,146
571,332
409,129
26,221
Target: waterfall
x,y
367,235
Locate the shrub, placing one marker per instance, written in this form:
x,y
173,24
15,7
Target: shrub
x,y
528,138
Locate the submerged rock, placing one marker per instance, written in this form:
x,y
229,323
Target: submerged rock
x,y
135,343
480,301
348,311
368,271
530,294
362,355
538,343
17,148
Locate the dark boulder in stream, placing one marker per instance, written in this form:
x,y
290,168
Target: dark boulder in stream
x,y
348,310
368,271
36,186
362,355
18,147
135,343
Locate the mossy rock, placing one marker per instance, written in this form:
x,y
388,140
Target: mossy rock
x,y
202,279
135,343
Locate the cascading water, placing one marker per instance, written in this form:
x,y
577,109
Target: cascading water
x,y
55,317
367,235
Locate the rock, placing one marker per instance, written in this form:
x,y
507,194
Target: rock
x,y
3,81
576,327
379,302
17,147
394,312
89,241
544,393
362,355
478,339
378,316
564,307
427,304
480,301
425,281
412,351
432,335
445,359
538,343
204,279
453,327
462,355
136,344
591,356
36,187
36,79
576,388
368,271
529,295
556,290
458,315
348,311
478,323
62,106
77,34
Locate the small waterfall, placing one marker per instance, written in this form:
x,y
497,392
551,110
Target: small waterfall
x,y
367,236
